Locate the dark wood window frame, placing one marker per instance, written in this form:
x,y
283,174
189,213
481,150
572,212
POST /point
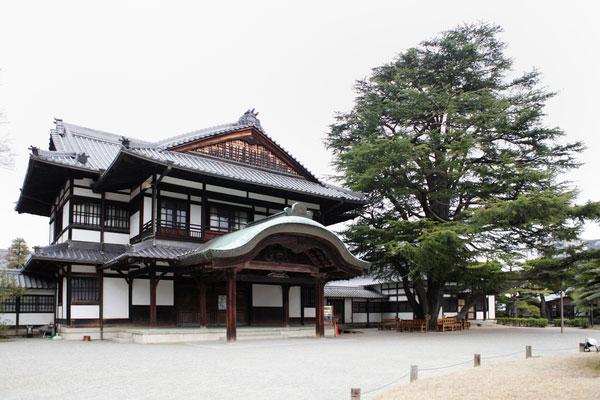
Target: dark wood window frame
x,y
87,213
85,290
222,218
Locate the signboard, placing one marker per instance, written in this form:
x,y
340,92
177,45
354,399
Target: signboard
x,y
222,302
328,311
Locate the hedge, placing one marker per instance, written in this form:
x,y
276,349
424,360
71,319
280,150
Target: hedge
x,y
576,323
528,322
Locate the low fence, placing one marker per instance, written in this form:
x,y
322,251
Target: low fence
x,y
356,393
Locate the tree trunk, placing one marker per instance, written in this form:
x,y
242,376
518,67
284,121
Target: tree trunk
x,y
410,296
435,294
473,299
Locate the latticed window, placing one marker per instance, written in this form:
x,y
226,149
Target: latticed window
x,y
8,305
227,220
253,154
84,290
173,214
116,217
86,213
37,304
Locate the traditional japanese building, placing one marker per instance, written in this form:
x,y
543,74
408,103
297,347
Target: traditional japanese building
x,y
217,227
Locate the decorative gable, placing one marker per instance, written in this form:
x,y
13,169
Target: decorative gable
x,y
248,153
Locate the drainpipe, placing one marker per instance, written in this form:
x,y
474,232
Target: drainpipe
x,y
155,183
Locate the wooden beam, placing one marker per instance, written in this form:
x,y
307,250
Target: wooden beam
x,y
280,267
302,305
101,299
319,303
266,279
231,308
68,295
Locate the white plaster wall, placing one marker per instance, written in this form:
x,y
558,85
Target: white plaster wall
x,y
65,215
374,317
83,182
36,318
164,294
309,312
347,310
51,233
492,307
85,312
220,189
117,197
182,182
134,224
147,209
8,318
83,268
116,298
267,296
195,214
59,312
85,235
141,292
134,193
86,192
166,193
295,302
117,238
64,296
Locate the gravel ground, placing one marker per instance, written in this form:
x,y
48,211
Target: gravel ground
x,y
571,376
292,369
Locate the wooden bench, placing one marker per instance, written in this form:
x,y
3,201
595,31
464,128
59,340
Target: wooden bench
x,y
449,324
412,324
389,323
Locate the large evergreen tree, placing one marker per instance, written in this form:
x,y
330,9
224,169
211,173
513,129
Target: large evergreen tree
x,y
459,169
18,252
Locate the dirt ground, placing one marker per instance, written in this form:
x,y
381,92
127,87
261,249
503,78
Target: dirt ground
x,y
572,376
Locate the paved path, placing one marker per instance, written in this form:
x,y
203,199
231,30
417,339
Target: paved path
x,y
281,369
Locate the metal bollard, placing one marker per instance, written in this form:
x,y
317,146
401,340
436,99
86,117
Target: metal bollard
x,y
355,394
527,351
581,347
477,360
414,373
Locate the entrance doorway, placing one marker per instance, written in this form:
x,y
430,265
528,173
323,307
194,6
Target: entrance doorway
x,y
338,309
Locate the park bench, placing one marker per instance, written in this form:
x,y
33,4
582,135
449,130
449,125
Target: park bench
x,y
389,323
450,324
412,324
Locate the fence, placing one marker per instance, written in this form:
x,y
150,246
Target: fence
x,y
355,393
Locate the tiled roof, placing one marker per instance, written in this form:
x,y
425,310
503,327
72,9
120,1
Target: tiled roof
x,y
86,253
29,282
158,250
95,151
211,166
352,292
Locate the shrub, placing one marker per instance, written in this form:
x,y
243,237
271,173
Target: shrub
x,y
528,322
575,323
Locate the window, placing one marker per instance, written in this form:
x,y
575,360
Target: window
x,y
29,304
308,296
8,305
173,214
84,290
37,304
86,213
227,220
361,307
116,217
450,304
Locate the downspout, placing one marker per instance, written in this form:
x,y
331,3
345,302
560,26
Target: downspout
x,y
154,191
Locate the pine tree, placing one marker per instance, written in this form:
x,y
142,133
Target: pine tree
x,y
18,252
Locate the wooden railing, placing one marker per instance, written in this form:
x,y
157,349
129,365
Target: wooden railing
x,y
167,228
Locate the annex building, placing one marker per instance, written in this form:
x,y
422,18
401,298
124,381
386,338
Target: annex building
x,y
219,227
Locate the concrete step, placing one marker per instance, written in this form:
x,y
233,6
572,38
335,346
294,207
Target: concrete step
x,y
122,340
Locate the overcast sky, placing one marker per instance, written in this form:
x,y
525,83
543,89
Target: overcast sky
x,y
152,69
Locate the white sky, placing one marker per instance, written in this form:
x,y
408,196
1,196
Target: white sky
x,y
152,69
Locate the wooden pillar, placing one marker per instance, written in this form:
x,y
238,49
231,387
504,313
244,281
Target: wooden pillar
x,y
69,295
202,316
368,321
301,305
231,308
17,312
286,304
153,285
130,286
101,302
319,303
